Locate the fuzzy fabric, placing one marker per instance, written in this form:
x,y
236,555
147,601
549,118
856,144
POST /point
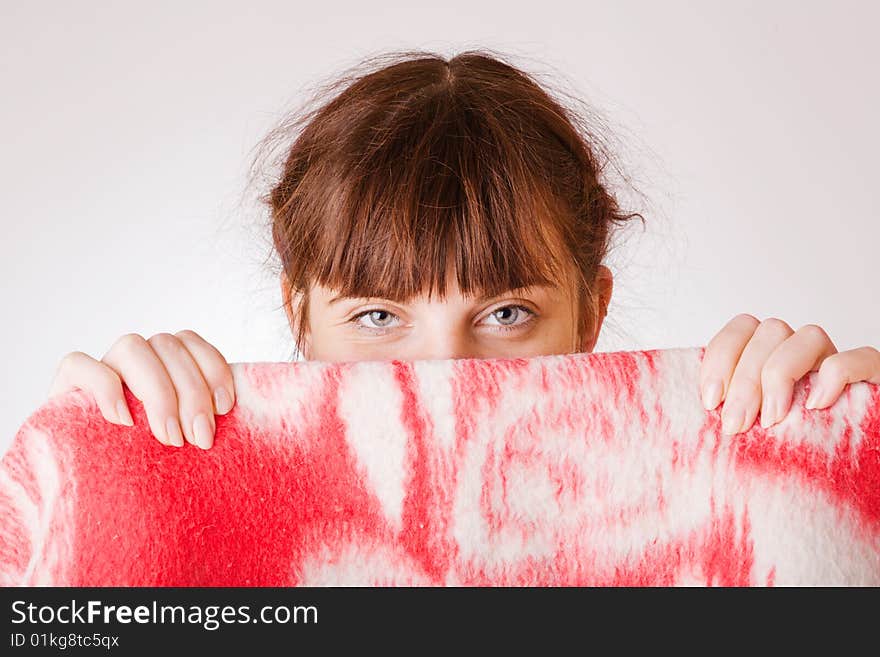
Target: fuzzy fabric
x,y
582,469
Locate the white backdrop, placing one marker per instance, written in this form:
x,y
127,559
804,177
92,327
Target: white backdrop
x,y
126,130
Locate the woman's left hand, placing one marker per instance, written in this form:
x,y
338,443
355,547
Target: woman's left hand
x,y
755,365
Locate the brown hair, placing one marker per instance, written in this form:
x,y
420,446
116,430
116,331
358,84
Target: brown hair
x,y
421,163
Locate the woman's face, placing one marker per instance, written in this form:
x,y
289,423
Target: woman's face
x,y
520,323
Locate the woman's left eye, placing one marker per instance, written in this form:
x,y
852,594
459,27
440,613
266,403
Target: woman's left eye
x,y
507,316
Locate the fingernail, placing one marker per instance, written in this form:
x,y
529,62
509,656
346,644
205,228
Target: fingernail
x,y
222,402
123,414
712,395
816,395
204,434
172,427
769,412
731,422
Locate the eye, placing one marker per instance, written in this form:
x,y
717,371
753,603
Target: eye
x,y
507,317
379,318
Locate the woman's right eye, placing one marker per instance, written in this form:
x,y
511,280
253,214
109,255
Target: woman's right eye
x,y
377,317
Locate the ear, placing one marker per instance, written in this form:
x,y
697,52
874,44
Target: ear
x,y
287,300
604,285
292,302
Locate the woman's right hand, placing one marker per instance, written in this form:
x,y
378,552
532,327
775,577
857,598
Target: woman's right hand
x,y
181,379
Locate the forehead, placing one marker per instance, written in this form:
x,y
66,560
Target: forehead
x,y
330,296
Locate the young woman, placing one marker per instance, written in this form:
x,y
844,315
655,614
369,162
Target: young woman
x,y
442,208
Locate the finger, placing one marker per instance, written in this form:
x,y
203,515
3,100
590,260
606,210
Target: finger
x,y
839,370
745,391
79,370
195,409
134,360
799,354
215,370
721,356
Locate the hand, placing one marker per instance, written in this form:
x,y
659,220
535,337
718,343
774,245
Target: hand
x,y
181,380
755,365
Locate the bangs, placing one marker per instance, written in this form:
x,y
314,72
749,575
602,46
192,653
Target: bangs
x,y
437,191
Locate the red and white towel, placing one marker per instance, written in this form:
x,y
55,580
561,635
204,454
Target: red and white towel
x,y
582,469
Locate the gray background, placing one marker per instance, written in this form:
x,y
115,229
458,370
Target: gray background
x,y
750,128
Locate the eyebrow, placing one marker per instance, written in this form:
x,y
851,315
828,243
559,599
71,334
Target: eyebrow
x,y
485,297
